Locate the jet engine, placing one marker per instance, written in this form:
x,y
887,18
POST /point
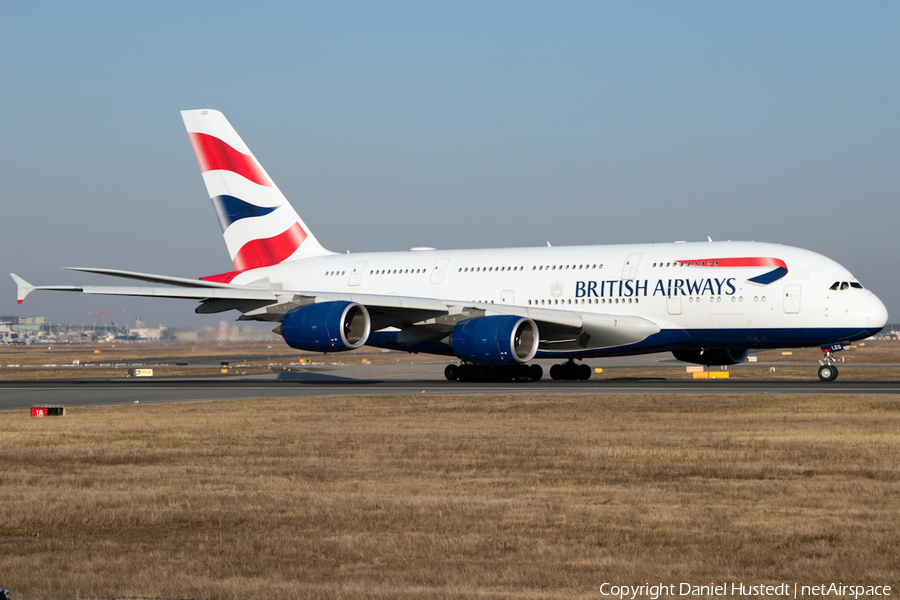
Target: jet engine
x,y
327,327
496,340
720,356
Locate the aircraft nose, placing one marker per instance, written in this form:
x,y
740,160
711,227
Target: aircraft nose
x,y
877,314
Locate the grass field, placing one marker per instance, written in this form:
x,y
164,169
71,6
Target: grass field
x,y
449,496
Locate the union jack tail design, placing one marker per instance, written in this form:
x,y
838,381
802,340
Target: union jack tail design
x,y
260,226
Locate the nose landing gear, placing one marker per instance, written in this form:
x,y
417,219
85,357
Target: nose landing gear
x,y
829,372
570,371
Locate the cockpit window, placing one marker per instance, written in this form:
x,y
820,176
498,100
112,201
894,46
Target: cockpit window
x,y
844,285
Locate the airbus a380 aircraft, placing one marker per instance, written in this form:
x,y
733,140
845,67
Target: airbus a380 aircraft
x,y
497,309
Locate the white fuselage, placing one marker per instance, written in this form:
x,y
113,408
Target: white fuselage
x,y
706,298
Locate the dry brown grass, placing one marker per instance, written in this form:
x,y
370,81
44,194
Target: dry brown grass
x,y
446,496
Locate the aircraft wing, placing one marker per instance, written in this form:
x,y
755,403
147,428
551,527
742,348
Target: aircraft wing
x,y
196,293
418,319
165,279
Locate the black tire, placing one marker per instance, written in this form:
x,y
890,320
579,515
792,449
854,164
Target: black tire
x,y
522,372
451,372
584,372
535,372
556,372
828,372
466,373
482,373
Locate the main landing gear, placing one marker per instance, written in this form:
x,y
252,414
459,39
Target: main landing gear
x,y
828,372
480,372
569,370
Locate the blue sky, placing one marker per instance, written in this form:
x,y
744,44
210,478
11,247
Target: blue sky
x,y
465,124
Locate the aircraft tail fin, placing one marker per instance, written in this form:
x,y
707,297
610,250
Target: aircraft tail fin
x,y
260,226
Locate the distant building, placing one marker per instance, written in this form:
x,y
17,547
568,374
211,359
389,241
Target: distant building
x,y
33,320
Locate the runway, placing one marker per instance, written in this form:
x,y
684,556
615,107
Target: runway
x,y
92,392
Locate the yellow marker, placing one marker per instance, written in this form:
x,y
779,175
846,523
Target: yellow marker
x,y
598,370
701,375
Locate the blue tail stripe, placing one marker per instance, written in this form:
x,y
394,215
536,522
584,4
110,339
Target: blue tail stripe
x,y
230,209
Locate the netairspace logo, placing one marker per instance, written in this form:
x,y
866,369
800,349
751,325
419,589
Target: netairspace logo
x,y
782,590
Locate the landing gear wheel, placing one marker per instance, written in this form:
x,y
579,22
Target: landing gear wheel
x,y
828,372
535,372
451,372
556,372
466,373
570,371
584,372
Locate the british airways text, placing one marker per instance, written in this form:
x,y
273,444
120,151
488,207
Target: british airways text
x,y
626,288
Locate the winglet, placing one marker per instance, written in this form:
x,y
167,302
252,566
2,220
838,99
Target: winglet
x,y
24,288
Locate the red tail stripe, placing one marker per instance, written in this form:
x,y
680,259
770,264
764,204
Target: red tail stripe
x,y
269,251
747,261
213,154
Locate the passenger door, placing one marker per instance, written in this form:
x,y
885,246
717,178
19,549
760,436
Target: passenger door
x,y
437,273
357,272
792,299
631,265
673,304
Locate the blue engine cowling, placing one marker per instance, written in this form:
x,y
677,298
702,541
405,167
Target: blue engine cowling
x,y
720,356
327,327
499,340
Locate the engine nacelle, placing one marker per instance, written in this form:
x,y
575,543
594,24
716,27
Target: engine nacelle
x,y
720,356
327,327
498,340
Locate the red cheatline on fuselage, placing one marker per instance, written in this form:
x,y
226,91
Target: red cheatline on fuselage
x,y
775,274
744,261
